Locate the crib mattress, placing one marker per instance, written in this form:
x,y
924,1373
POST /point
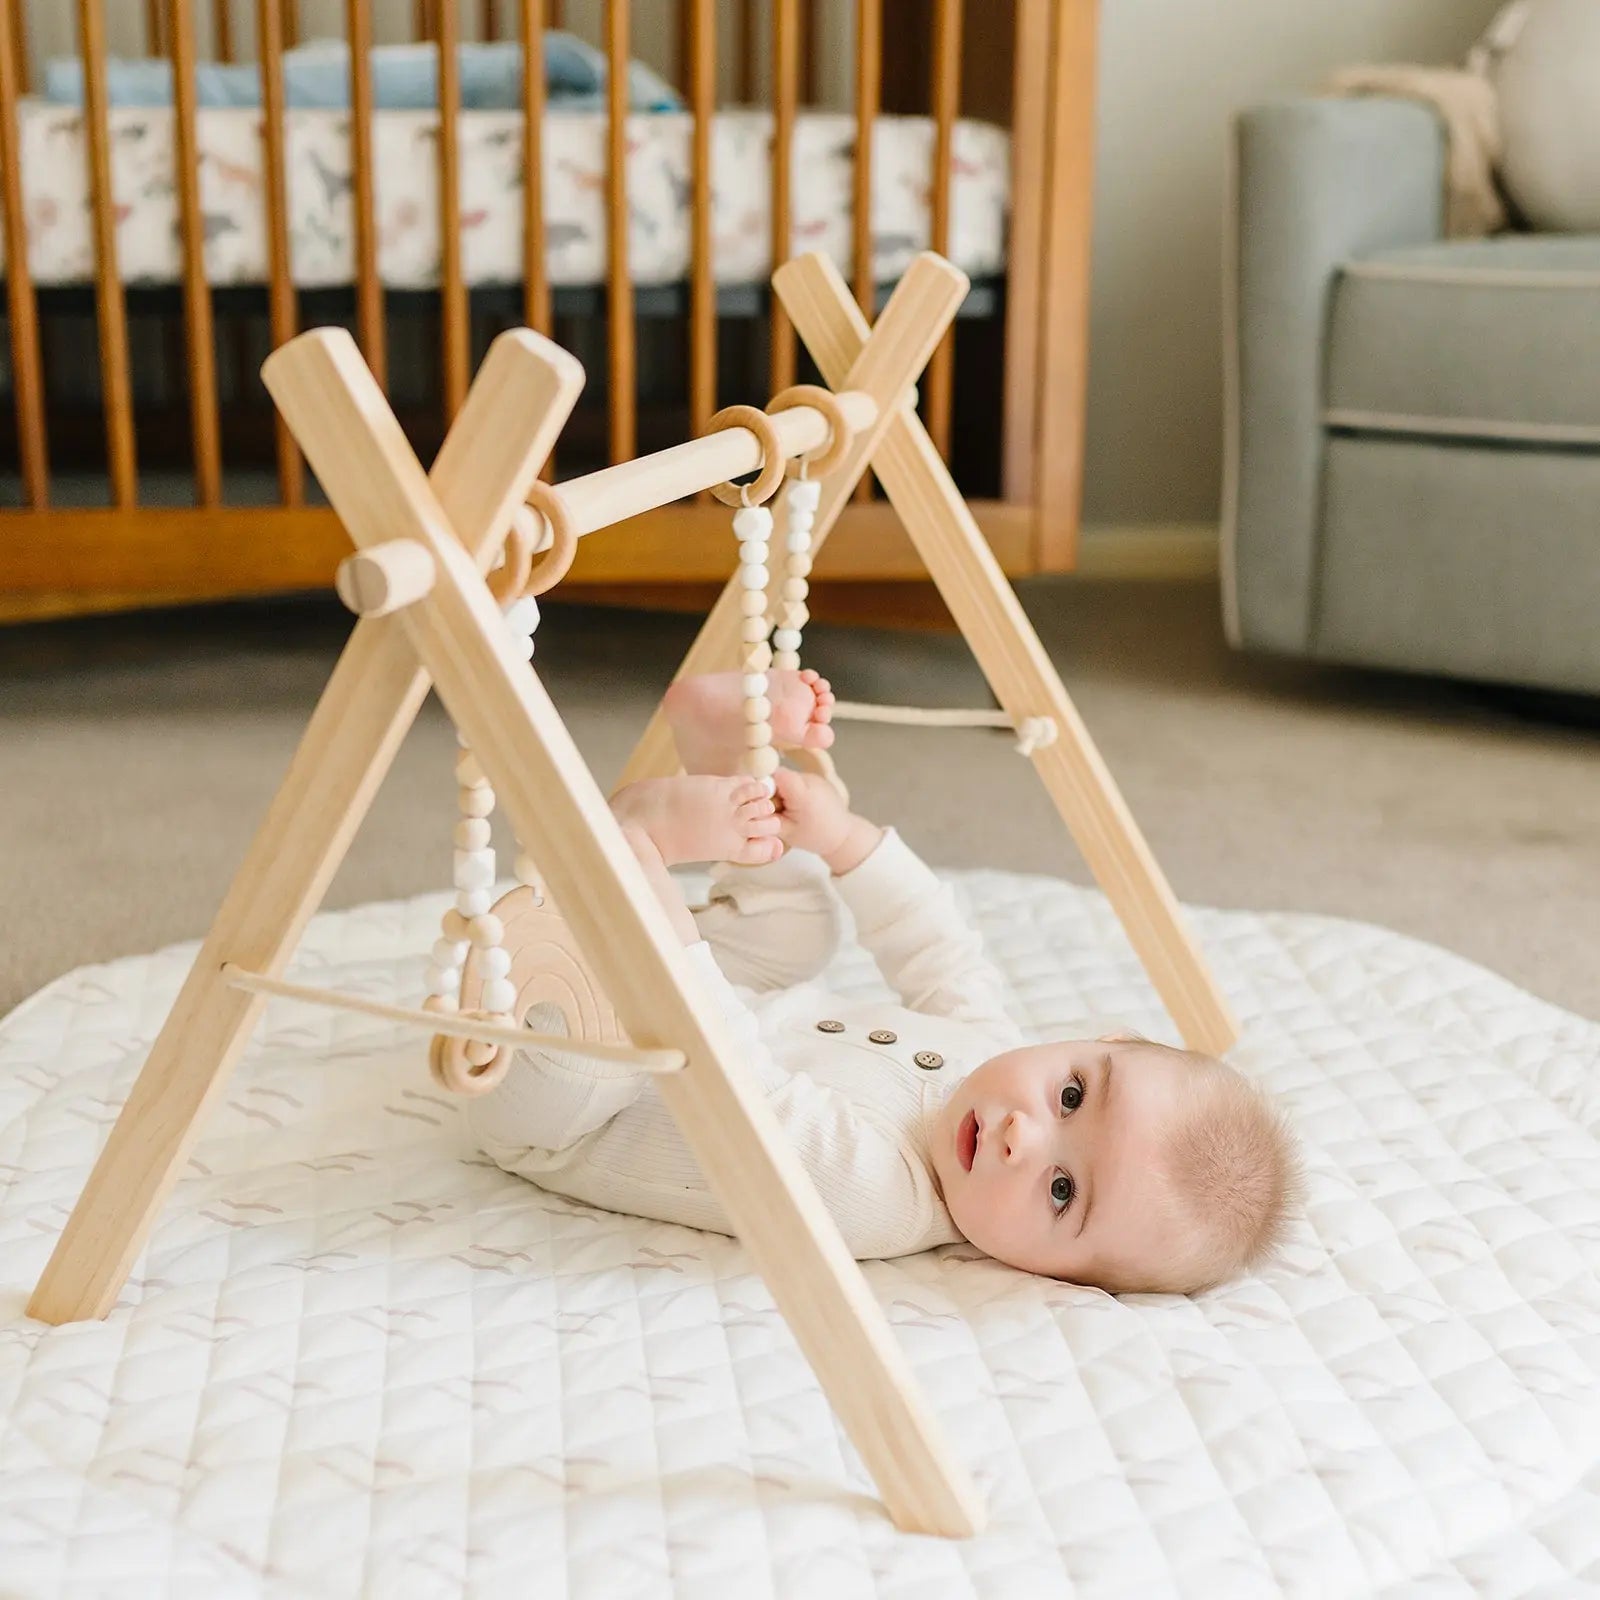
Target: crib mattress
x,y
358,1359
321,211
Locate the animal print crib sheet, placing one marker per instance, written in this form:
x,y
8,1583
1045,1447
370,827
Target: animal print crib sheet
x,y
322,217
356,1359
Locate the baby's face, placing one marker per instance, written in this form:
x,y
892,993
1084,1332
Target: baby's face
x,y
1050,1158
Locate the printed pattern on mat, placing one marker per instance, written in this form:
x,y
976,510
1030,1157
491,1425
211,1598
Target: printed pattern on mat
x,y
406,195
355,1359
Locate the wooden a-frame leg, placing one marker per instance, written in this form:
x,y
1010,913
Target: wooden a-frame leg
x,y
482,472
551,799
1023,677
886,366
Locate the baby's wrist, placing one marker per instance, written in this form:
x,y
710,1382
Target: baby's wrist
x,y
859,840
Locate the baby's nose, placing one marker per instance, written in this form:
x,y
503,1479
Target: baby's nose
x,y
1017,1137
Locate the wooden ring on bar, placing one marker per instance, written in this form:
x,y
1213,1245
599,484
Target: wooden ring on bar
x,y
450,1069
557,560
773,463
510,578
823,460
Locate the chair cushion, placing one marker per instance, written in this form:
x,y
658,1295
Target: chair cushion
x,y
1481,338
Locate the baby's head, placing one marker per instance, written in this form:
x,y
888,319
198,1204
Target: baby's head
x,y
1116,1162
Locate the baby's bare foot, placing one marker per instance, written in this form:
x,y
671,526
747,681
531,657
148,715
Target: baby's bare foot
x,y
703,818
707,716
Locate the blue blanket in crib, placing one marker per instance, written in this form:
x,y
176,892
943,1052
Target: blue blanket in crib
x,y
404,77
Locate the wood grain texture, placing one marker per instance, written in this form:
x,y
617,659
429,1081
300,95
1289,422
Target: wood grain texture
x,y
110,308
16,12
481,474
535,271
369,288
204,436
702,267
945,97
558,812
222,29
621,363
1064,274
27,371
1020,673
282,315
785,96
869,91
888,365
455,325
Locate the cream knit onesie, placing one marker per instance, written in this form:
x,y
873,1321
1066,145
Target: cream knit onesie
x,y
854,1083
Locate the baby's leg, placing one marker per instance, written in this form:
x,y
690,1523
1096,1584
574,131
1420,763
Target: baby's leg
x,y
780,924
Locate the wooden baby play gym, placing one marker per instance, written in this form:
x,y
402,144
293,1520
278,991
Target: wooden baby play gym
x,y
444,559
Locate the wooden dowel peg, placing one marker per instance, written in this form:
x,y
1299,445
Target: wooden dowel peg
x,y
384,577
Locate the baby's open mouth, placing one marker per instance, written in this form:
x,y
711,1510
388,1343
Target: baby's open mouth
x,y
967,1141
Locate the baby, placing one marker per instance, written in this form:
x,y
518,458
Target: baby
x,y
1112,1161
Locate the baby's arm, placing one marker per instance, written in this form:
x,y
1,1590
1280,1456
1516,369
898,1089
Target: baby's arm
x,y
905,917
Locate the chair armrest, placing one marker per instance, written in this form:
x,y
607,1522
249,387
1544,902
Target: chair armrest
x,y
1316,182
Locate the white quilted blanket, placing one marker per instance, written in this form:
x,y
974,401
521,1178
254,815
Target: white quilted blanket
x,y
357,1360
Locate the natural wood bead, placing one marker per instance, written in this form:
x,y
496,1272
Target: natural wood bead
x,y
455,927
758,734
787,660
800,566
442,1004
469,774
479,1052
753,603
486,930
795,588
753,630
758,709
477,802
758,656
473,833
762,763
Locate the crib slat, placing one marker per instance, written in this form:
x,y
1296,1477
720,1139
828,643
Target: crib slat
x,y
535,271
747,52
702,267
619,286
558,13
281,306
869,78
26,367
946,98
155,39
202,361
1030,110
456,330
369,290
19,45
785,92
422,20
110,308
489,19
222,29
291,23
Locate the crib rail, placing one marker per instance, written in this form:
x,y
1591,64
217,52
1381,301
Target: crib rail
x,y
778,52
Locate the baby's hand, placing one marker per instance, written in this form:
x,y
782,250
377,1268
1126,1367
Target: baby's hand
x,y
811,816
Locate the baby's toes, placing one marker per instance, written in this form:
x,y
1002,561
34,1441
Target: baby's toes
x,y
760,809
818,736
747,792
759,851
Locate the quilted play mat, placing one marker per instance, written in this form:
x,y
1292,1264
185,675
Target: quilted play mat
x,y
356,1359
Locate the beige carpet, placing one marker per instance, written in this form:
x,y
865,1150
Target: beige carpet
x,y
137,754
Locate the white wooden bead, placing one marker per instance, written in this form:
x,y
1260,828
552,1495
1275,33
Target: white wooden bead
x,y
495,961
499,994
454,927
758,734
754,683
761,763
525,870
753,630
472,833
795,588
753,602
805,492
786,639
479,1052
442,1004
800,522
522,644
753,551
486,929
758,708
758,656
474,869
477,802
469,774
799,566
752,522
797,544
473,902
443,980
449,952
754,577
523,614
788,659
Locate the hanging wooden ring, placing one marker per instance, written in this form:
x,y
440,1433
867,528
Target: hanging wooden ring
x,y
823,460
450,1069
507,580
773,464
555,563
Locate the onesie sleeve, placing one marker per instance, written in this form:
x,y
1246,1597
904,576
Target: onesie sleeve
x,y
928,954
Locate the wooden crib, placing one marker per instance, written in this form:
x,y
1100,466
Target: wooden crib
x,y
145,465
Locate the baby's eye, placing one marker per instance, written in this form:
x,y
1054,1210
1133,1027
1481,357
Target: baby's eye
x,y
1062,1190
1072,1095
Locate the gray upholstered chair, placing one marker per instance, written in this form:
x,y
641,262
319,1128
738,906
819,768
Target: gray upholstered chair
x,y
1413,446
